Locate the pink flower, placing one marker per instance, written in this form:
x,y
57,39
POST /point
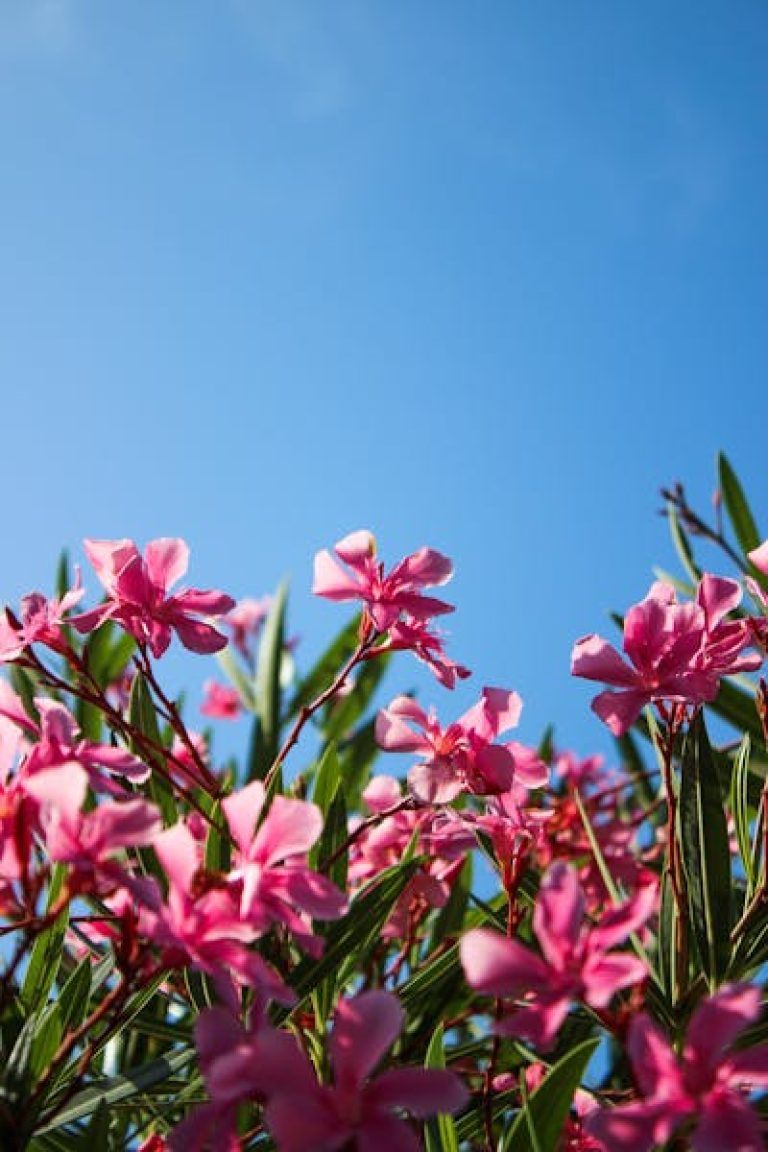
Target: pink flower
x,y
271,869
578,962
709,1085
200,924
358,1106
220,701
677,652
463,756
245,622
386,598
410,635
137,590
88,841
41,622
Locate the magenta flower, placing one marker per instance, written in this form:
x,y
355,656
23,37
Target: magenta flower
x,y
360,1107
137,590
386,598
463,756
708,1086
41,622
677,652
577,962
410,635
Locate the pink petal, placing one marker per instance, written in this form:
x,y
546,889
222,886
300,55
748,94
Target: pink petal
x,y
305,1120
332,582
759,557
386,1134
130,823
242,810
498,966
435,783
503,707
393,728
197,636
365,1027
64,787
530,769
356,548
420,1091
619,710
109,557
727,1122
424,569
167,560
718,1021
176,849
607,975
207,603
593,658
290,827
717,596
653,1061
559,914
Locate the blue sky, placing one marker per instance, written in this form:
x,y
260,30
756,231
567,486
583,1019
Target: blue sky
x,y
477,276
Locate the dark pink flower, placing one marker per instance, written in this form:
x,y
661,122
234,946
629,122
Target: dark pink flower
x,y
677,652
709,1085
385,597
360,1106
137,590
577,962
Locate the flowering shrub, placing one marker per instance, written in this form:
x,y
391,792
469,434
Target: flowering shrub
x,y
290,952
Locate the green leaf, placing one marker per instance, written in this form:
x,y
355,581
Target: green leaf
x,y
353,936
121,1088
341,714
440,1132
549,1105
238,678
324,671
143,717
705,851
736,506
73,1000
268,693
45,958
740,809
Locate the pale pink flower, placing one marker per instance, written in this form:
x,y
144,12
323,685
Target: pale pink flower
x,y
359,1106
708,1086
385,597
220,701
677,652
577,961
462,757
137,590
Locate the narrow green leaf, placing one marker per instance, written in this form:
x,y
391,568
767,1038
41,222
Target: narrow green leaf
x,y
705,851
121,1088
73,1000
238,678
45,958
550,1104
268,692
440,1131
740,809
736,506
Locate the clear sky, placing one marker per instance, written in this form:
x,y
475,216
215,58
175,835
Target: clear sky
x,y
482,276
